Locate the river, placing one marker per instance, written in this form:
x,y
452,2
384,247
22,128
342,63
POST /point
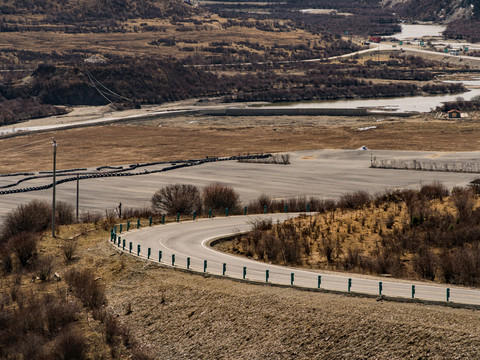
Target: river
x,y
400,104
416,31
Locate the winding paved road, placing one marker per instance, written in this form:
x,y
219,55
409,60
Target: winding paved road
x,y
191,239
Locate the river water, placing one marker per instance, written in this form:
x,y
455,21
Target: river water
x,y
400,104
415,31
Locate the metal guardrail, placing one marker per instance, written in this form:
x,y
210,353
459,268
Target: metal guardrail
x,y
298,278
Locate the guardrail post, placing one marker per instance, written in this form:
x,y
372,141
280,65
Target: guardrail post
x,y
204,265
349,284
148,253
267,275
123,244
308,207
224,269
226,212
138,250
380,288
150,221
209,213
173,259
245,210
413,291
319,281
264,209
194,215
130,248
159,255
115,240
118,243
128,225
188,263
178,217
163,219
448,294
292,278
286,207
111,235
244,272
138,223
115,229
121,228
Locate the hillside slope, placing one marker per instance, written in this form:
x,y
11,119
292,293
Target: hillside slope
x,y
429,10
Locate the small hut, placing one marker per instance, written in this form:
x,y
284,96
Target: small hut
x,y
454,114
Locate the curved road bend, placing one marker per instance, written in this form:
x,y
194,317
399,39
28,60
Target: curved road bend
x,y
191,239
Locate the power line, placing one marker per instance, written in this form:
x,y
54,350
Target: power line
x,y
90,75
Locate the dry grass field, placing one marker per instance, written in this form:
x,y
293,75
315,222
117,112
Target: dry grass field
x,y
192,137
136,42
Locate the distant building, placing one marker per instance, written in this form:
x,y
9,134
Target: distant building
x,y
454,114
376,39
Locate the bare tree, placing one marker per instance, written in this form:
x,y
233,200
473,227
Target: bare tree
x,y
177,198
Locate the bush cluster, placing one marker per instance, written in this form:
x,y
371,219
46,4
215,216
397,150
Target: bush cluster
x,y
419,234
185,199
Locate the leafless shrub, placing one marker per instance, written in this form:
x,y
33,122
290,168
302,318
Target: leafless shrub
x,y
219,197
137,213
352,259
36,319
261,224
383,261
425,264
112,329
69,250
354,200
285,158
272,246
259,204
390,221
177,198
35,216
24,246
446,266
5,261
109,220
44,267
321,205
30,347
327,248
436,190
90,218
463,200
89,291
60,313
64,213
71,344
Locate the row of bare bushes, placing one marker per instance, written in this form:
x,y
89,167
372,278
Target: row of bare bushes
x,y
462,167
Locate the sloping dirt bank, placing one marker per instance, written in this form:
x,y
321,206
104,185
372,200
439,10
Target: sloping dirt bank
x,y
182,316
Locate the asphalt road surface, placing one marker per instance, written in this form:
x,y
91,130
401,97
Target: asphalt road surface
x,y
191,240
322,173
